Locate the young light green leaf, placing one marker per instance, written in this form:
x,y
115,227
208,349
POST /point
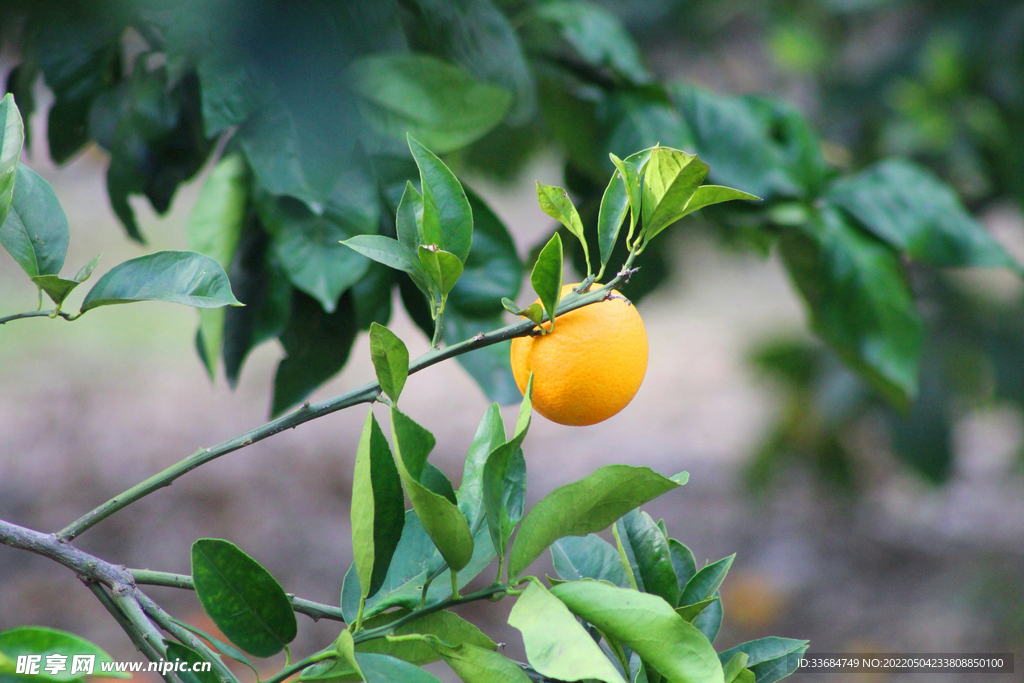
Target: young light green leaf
x,y
631,172
555,202
390,360
409,219
735,669
392,254
705,583
583,507
443,268
588,557
378,507
650,551
708,195
246,603
57,288
546,277
447,216
176,652
441,519
35,230
37,640
476,665
12,138
557,645
345,646
682,562
670,180
182,277
770,659
614,204
691,612
648,626
533,312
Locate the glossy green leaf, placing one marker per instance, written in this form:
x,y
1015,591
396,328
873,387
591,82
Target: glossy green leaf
x,y
476,665
709,195
691,612
392,254
12,137
176,652
770,659
648,626
441,519
57,288
504,492
241,597
683,563
556,644
433,100
490,434
915,212
385,669
37,640
670,180
588,557
709,620
447,215
493,269
390,360
555,202
378,507
650,550
546,277
614,206
345,646
583,507
534,311
35,231
859,300
705,583
182,277
735,670
443,269
409,218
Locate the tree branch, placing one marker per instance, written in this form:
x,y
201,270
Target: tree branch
x,y
33,314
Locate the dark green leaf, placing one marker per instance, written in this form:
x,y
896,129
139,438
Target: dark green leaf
x,y
176,652
556,644
476,665
648,626
409,219
650,550
245,602
586,506
490,434
493,269
588,557
546,277
378,507
372,296
182,277
670,179
915,212
316,344
442,520
447,215
859,300
12,137
443,269
433,100
35,231
555,202
37,640
390,360
640,118
682,562
709,621
614,205
393,254
705,583
21,82
384,669
770,659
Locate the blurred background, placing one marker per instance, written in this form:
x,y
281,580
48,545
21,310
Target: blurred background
x,y
857,527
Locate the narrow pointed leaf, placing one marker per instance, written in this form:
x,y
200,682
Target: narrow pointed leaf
x,y
555,202
12,138
241,597
182,277
392,254
709,621
670,180
57,288
651,551
504,492
615,204
490,434
35,230
409,217
705,583
691,612
735,670
447,216
390,360
708,195
546,277
683,563
770,659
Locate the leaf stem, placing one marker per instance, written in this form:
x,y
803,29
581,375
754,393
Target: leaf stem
x,y
455,584
291,669
37,314
359,616
622,556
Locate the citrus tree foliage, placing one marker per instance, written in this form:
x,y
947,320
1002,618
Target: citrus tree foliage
x,y
314,100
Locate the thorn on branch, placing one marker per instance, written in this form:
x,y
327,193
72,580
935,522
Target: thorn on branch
x,y
479,336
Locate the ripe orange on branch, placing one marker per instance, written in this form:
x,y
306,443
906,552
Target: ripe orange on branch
x,y
590,367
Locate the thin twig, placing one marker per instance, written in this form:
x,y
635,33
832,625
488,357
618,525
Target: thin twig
x,y
34,314
163,619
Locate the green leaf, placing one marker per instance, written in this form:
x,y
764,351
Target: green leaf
x,y
35,231
682,562
614,204
316,344
241,597
409,218
648,626
57,288
735,670
392,254
447,216
583,507
709,195
476,665
176,652
37,640
443,269
709,620
384,669
182,277
12,137
534,311
770,659
556,644
650,550
555,202
390,360
909,208
378,508
859,300
493,269
546,277
504,492
490,434
442,520
214,228
428,98
670,180
345,646
691,612
705,583
588,557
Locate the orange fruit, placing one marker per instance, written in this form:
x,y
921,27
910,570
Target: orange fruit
x,y
590,367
